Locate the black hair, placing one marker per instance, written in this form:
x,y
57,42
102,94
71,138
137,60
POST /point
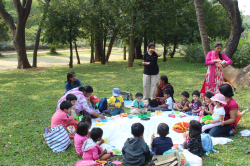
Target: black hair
x,y
165,79
217,44
163,129
151,44
87,89
196,92
137,129
138,95
194,128
65,105
168,91
70,75
185,93
209,94
87,118
71,97
83,128
96,133
226,90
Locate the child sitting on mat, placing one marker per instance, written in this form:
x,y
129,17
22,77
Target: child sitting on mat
x,y
135,150
72,99
194,144
137,106
116,102
195,104
218,113
208,102
82,134
161,144
183,106
61,116
168,105
92,150
93,100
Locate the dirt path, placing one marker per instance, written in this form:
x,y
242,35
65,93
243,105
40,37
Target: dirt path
x,y
48,61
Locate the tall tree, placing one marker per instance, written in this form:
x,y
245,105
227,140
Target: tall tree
x,y
18,29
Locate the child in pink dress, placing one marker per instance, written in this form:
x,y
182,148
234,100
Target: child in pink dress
x,y
92,150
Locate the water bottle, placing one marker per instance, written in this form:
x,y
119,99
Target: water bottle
x,y
172,111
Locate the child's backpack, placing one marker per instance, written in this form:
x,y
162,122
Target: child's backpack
x,y
207,143
103,104
127,95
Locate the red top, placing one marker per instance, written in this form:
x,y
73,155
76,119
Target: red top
x,y
161,89
231,105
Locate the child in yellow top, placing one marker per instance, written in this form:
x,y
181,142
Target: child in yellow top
x,y
116,102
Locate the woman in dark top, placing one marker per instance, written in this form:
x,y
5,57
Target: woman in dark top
x,y
164,84
72,82
194,144
151,70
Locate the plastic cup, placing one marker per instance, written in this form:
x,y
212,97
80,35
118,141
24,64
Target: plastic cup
x,y
149,113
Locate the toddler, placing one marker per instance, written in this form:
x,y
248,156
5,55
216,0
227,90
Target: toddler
x,y
195,104
116,102
137,106
194,144
161,144
72,99
168,105
61,116
209,102
81,135
93,100
218,113
183,106
92,150
135,150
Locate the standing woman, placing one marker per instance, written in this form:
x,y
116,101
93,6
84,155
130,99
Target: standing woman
x,y
151,70
81,93
214,77
72,82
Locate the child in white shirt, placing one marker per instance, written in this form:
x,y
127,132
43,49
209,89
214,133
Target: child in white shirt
x,y
168,105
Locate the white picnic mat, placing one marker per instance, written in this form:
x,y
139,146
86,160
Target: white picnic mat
x,y
118,130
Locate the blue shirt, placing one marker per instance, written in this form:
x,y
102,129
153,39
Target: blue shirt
x,y
69,86
137,105
162,144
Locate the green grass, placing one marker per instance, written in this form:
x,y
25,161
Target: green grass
x,y
29,97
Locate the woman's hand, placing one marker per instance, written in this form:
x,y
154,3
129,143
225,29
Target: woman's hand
x,y
101,116
222,122
217,60
219,65
157,84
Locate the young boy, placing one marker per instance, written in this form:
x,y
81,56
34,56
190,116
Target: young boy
x,y
135,150
61,116
195,104
183,106
137,106
116,102
93,100
72,99
161,144
168,105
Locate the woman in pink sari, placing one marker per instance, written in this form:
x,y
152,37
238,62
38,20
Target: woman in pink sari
x,y
214,77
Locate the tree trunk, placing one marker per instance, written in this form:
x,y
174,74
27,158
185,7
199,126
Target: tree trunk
x,y
77,55
138,52
92,49
104,49
18,30
174,48
165,50
237,76
98,49
36,47
111,45
71,51
132,41
52,49
202,26
124,53
231,6
145,42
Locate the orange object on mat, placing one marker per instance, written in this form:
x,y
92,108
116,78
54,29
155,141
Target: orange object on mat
x,y
180,127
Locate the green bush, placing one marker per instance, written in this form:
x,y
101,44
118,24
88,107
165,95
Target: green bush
x,y
241,58
194,53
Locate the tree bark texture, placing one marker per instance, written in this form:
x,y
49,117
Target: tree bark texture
x,y
132,42
92,49
18,30
231,6
104,48
165,51
77,55
175,45
202,26
98,49
124,53
111,45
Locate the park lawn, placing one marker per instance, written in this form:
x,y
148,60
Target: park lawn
x,y
29,97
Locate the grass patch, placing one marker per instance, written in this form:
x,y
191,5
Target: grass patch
x,y
29,97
